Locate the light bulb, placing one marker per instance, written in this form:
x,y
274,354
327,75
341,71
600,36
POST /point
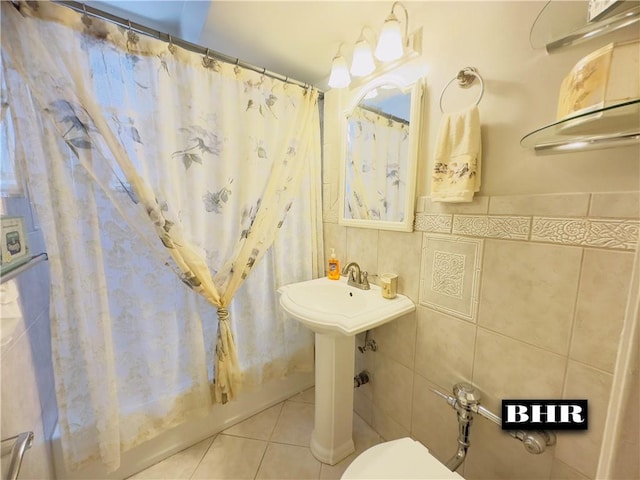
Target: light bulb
x,y
362,63
339,77
390,42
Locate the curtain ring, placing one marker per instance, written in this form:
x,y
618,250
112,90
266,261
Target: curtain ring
x,y
85,17
171,47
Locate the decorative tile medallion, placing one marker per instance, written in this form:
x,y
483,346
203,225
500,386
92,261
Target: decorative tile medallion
x,y
448,274
451,273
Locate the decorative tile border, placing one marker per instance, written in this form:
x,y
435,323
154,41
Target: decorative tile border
x,y
618,234
611,233
433,222
492,226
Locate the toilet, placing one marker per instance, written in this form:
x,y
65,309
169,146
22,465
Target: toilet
x,y
399,459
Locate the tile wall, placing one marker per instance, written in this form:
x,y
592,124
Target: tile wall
x,y
28,401
539,304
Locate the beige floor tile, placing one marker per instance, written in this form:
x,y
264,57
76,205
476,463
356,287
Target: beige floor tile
x,y
258,427
308,396
178,466
231,458
295,424
288,462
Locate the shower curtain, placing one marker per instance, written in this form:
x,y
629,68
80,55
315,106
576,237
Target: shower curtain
x,y
141,158
377,155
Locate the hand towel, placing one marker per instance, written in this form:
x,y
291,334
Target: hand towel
x,y
456,171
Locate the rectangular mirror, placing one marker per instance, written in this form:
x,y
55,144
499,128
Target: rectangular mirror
x,y
380,132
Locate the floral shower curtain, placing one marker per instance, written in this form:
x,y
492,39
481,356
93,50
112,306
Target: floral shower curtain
x,y
376,146
207,156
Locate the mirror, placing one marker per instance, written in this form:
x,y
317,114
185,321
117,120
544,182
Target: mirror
x,y
380,141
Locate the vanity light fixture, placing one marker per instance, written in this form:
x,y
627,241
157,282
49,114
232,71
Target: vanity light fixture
x,y
339,77
392,48
391,42
362,63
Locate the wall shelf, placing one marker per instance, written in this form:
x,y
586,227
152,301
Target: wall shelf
x,y
25,266
612,126
563,24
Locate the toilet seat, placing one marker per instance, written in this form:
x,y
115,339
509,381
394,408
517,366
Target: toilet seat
x,y
404,458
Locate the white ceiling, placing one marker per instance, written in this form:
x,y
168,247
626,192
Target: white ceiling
x,y
297,39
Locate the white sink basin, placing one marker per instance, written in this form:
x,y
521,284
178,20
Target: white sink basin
x,y
336,312
333,307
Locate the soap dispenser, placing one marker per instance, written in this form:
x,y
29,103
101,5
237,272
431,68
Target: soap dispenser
x,y
334,266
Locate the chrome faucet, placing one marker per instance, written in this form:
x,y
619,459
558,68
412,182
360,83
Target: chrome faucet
x,y
356,277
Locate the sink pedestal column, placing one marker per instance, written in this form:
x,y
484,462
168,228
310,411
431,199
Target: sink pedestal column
x,y
332,437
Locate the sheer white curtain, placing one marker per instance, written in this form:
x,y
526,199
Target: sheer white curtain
x,y
377,153
143,157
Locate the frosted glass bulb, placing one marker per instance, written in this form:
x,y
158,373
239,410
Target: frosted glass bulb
x,y
390,42
362,63
339,77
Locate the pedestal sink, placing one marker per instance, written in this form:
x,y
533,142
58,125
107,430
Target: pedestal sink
x,y
337,312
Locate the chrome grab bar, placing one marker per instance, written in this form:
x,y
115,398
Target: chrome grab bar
x,y
16,446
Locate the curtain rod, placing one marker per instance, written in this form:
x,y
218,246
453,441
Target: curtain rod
x,y
165,37
382,113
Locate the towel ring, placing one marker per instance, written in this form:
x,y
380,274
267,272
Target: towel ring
x,y
465,77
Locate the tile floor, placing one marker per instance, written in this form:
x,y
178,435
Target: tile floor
x,y
274,444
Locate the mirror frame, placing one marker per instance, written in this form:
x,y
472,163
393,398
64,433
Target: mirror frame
x,y
416,88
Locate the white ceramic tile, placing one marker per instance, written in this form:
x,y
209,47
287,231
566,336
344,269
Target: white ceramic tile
x,y
600,310
618,234
626,460
178,466
362,247
434,422
363,404
477,206
444,348
335,236
615,205
398,253
392,390
581,450
505,368
231,458
258,427
529,291
556,204
295,424
562,471
450,274
516,228
494,454
387,427
288,462
397,339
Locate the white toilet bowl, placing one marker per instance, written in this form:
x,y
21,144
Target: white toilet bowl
x,y
398,460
